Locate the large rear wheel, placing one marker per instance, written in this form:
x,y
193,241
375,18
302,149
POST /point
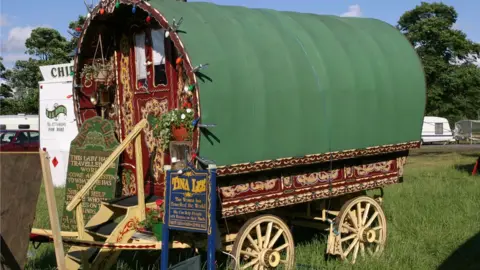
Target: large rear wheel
x,y
264,242
362,229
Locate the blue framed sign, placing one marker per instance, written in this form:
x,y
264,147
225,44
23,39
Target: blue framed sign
x,y
190,198
188,205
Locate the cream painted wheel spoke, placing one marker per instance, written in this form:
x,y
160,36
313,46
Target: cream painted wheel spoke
x,y
351,236
268,234
370,221
255,267
376,228
282,247
365,213
250,239
253,255
355,252
251,263
353,219
275,238
362,249
349,228
359,215
259,236
352,245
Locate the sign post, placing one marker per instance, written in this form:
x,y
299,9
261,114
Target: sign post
x,y
190,206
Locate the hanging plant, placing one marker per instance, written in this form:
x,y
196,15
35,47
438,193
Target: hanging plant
x,y
173,125
99,71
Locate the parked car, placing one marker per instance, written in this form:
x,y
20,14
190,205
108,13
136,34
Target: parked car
x,y
19,140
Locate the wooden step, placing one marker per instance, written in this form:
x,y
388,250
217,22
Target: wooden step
x,y
129,201
104,229
76,255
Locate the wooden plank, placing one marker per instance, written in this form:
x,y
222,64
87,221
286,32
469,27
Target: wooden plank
x,y
49,233
81,234
140,184
91,182
20,181
52,211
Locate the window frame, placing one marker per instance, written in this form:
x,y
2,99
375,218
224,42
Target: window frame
x,y
150,69
438,128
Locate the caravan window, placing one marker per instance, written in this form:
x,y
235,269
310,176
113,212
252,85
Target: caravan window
x,y
150,59
23,126
438,128
158,55
3,127
140,60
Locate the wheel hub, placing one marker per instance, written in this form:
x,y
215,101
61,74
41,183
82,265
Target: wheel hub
x,y
270,258
368,236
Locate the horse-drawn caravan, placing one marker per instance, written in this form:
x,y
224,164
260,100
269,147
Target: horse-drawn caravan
x,y
300,113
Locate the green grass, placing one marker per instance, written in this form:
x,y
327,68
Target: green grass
x,y
432,218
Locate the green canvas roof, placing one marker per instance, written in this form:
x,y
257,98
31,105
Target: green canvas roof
x,y
287,84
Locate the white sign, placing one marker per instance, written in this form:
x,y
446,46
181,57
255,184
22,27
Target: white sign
x,y
58,125
61,72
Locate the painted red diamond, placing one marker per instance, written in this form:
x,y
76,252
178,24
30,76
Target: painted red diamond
x,y
55,162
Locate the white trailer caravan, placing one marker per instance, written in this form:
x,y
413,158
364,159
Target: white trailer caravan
x,y
58,125
436,129
20,121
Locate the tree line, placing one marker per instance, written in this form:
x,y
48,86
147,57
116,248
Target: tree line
x,y
449,60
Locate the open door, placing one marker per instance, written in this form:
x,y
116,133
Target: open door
x,y
147,86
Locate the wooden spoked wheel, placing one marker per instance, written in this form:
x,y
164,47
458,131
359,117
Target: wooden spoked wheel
x,y
264,242
362,228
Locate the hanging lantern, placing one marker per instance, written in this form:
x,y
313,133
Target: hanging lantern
x,y
93,100
134,8
179,60
117,4
102,11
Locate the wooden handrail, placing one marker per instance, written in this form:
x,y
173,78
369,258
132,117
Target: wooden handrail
x,y
77,199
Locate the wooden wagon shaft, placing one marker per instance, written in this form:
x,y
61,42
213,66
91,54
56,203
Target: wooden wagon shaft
x,y
78,197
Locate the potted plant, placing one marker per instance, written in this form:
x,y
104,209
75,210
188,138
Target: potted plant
x,y
153,221
173,125
99,71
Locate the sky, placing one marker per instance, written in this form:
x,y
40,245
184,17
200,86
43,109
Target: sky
x,y
19,17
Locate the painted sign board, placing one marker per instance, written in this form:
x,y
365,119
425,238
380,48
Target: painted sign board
x,y
190,206
57,119
90,148
60,72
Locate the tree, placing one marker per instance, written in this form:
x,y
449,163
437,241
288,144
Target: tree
x,y
5,90
448,56
72,26
48,45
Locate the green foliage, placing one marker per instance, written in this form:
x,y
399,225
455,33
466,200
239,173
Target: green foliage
x,y
72,26
48,45
162,127
453,84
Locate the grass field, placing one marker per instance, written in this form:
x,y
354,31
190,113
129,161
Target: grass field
x,y
433,221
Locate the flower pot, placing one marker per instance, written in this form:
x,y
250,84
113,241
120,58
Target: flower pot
x,y
180,133
157,231
102,75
